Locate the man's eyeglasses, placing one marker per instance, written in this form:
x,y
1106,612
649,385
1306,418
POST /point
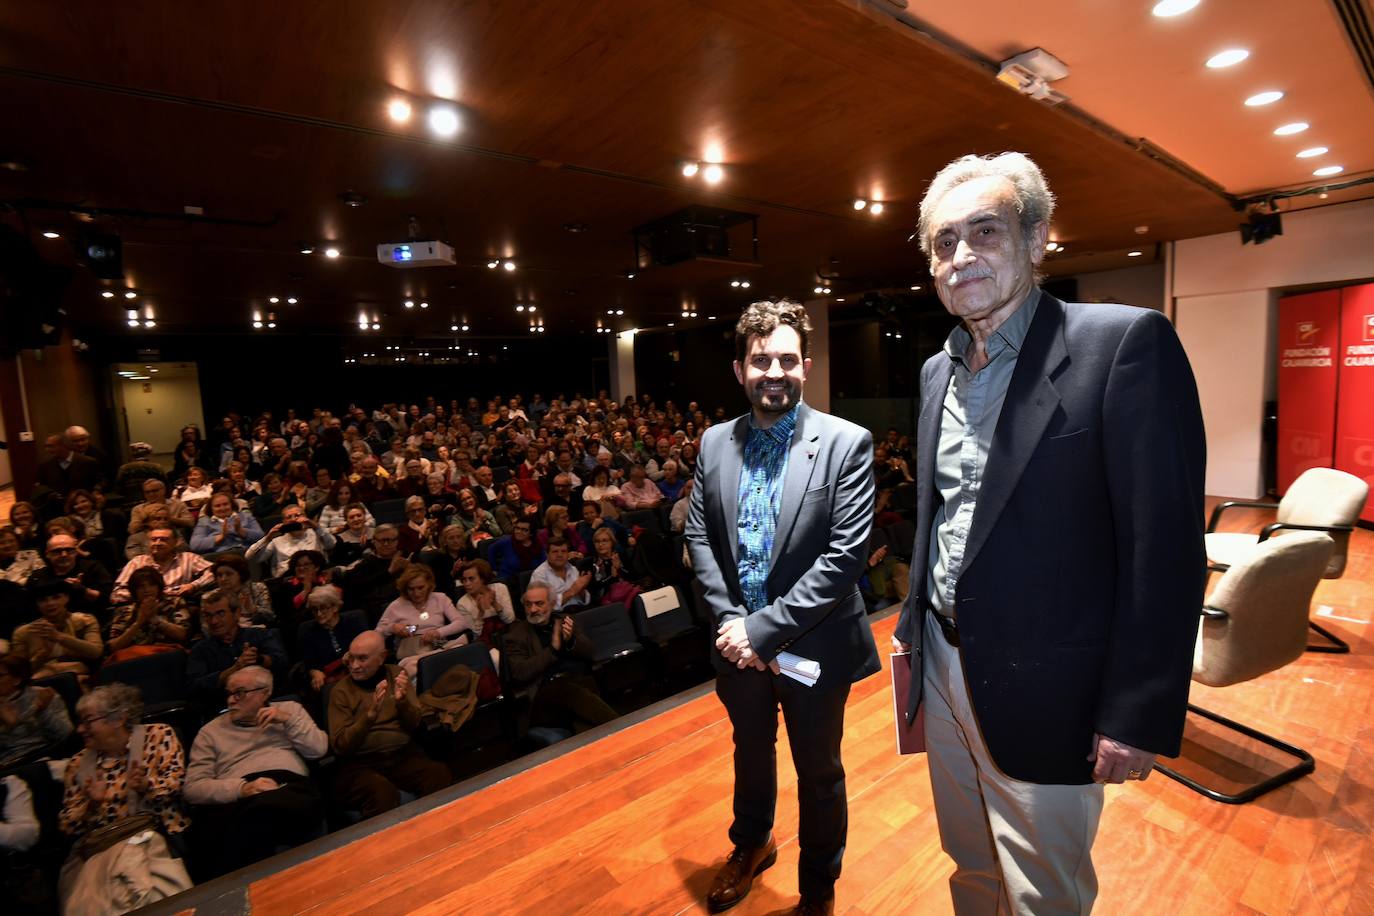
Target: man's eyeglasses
x,y
242,692
88,721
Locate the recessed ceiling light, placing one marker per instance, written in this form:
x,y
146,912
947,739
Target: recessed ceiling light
x,y
331,252
453,327
1263,98
443,120
1287,130
133,322
1311,152
107,295
257,325
839,298
1051,246
130,294
376,326
133,314
713,173
744,284
273,299
1328,170
521,308
149,323
860,203
508,266
307,249
424,305
915,288
1134,254
690,168
465,327
398,110
50,234
734,283
1228,58
291,300
1166,8
410,303
876,207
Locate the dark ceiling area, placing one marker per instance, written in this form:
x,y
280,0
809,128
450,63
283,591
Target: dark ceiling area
x,y
574,120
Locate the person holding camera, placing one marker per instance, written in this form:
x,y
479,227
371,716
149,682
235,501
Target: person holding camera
x,y
294,533
568,585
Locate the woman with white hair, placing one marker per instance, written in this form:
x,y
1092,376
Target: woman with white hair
x,y
323,639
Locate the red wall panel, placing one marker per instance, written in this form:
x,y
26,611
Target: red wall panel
x,y
1355,402
1309,337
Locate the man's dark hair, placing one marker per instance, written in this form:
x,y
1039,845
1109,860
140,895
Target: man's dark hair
x,y
764,317
558,541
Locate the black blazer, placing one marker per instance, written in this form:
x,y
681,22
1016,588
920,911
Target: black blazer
x,y
1084,570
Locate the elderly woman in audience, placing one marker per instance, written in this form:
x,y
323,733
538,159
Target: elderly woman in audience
x,y
323,639
671,483
100,522
16,563
224,529
240,487
513,507
423,621
473,517
333,515
101,783
557,523
254,601
486,601
194,492
601,490
24,522
33,720
317,495
419,526
152,618
439,499
609,582
59,641
351,542
639,492
450,551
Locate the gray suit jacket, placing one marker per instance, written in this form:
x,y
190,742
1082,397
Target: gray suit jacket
x,y
819,551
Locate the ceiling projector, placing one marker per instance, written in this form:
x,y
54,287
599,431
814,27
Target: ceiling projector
x,y
415,254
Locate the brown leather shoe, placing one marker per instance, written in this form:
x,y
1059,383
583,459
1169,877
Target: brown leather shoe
x,y
815,906
736,876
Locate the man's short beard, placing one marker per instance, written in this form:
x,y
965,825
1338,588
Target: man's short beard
x,y
791,395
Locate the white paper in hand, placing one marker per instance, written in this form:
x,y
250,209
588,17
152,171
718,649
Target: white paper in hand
x,y
803,670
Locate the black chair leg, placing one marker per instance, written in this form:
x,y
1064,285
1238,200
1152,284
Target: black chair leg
x,y
1337,646
1306,764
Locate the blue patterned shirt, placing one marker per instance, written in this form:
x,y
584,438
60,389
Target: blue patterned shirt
x,y
760,492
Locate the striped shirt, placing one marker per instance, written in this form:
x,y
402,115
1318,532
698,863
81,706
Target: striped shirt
x,y
760,492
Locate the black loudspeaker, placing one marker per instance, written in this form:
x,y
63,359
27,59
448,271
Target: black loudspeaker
x,y
31,291
103,253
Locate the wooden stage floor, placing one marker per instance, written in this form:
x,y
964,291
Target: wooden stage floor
x,y
635,821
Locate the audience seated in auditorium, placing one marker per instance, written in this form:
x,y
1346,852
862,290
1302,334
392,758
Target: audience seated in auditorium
x,y
418,528
423,621
370,583
639,492
549,658
372,715
152,621
33,720
567,587
663,453
247,777
450,551
195,490
101,523
371,486
26,526
512,506
225,529
89,580
670,484
485,601
17,565
185,574
123,760
601,490
63,471
60,641
306,572
226,648
323,639
140,467
232,577
473,517
155,497
517,552
294,533
609,583
593,518
333,517
558,524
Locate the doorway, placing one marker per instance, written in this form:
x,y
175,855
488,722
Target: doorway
x,y
154,401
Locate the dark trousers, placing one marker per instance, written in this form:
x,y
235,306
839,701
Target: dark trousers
x,y
239,833
570,702
372,783
815,725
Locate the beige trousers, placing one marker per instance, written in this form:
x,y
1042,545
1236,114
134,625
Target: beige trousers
x,y
1018,847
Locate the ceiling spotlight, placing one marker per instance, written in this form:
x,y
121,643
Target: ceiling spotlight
x,y
307,249
353,199
52,235
508,266
520,308
1263,98
916,288
273,299
629,275
1051,246
876,207
465,327
827,291
744,284
1313,151
860,203
149,323
839,298
1166,8
133,314
1288,130
410,303
133,322
1328,170
453,327
620,311
734,283
257,325
331,252
399,110
107,295
493,264
713,173
672,324
376,326
1141,230
443,120
1134,254
291,300
1228,58
130,294
817,289
529,308
690,168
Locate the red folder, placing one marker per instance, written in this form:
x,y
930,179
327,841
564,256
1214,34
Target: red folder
x,y
911,738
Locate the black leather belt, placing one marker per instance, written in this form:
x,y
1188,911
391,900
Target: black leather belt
x,y
948,627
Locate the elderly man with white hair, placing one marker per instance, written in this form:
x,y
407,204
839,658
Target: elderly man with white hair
x,y
248,776
1059,565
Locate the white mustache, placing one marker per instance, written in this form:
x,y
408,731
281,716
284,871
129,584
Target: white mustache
x,y
958,277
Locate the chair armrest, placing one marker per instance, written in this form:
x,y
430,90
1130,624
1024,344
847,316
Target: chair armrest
x,y
1280,526
1234,504
1214,613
